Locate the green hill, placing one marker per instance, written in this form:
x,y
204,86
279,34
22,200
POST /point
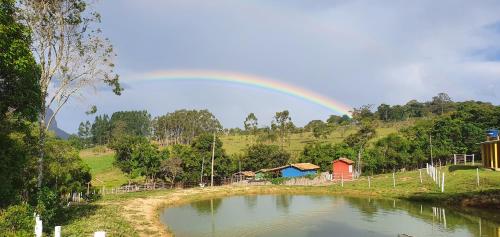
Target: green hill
x,y
236,144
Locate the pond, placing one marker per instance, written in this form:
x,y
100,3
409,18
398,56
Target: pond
x,y
320,215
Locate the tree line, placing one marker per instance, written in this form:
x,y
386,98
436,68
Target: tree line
x,y
457,128
50,52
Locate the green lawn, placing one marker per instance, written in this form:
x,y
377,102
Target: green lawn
x,y
102,169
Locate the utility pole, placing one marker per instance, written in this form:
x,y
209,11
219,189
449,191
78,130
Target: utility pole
x,y
213,155
201,175
430,141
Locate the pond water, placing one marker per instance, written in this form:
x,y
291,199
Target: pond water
x,y
311,215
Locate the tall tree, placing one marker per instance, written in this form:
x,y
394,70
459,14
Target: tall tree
x,y
203,146
19,102
135,123
101,130
182,126
441,103
250,124
359,140
71,52
383,111
363,113
282,124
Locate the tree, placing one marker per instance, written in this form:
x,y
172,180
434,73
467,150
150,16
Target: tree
x,y
359,140
363,113
441,103
250,124
383,111
71,53
318,128
135,123
318,154
171,169
146,161
19,105
182,126
66,172
85,133
282,124
124,148
415,109
190,163
261,156
203,146
101,130
323,154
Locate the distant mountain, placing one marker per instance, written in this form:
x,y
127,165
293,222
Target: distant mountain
x,y
53,126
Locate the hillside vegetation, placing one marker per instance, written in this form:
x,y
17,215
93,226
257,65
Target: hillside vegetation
x,y
237,143
104,173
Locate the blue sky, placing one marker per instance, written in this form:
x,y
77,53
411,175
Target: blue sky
x,y
355,52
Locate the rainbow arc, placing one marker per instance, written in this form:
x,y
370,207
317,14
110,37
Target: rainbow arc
x,y
250,80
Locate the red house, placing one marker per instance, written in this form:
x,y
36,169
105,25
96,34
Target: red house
x,y
342,168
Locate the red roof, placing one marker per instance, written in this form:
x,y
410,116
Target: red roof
x,y
345,160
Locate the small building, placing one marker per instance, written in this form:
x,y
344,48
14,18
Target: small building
x,y
288,171
490,150
243,175
299,170
260,174
342,168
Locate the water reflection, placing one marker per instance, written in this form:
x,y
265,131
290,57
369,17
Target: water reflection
x,y
302,215
207,207
250,201
283,203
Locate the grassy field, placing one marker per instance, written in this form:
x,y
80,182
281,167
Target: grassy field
x,y
136,214
236,144
101,166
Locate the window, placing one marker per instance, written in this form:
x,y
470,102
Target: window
x,y
350,168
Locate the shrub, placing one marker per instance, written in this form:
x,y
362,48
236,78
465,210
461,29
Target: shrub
x,y
17,220
278,180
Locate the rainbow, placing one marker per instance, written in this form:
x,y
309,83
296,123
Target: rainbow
x,y
250,80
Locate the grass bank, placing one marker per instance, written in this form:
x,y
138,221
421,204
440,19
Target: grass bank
x,y
103,172
137,214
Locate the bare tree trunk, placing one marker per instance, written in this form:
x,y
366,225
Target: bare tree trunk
x,y
358,163
41,144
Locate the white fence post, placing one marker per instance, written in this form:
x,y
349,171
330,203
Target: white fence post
x,y
477,176
420,171
442,185
438,178
473,159
57,231
393,180
100,234
342,179
38,226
